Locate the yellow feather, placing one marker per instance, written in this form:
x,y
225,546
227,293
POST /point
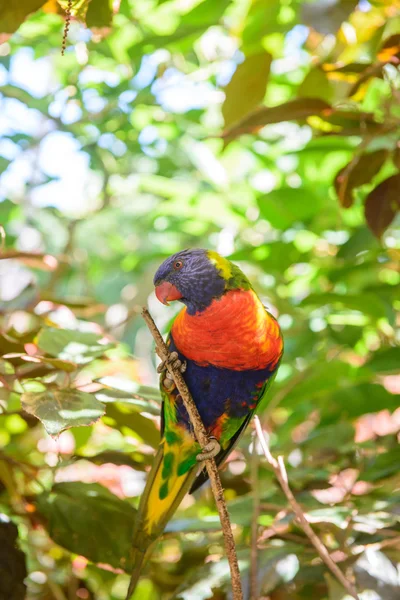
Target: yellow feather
x,y
221,263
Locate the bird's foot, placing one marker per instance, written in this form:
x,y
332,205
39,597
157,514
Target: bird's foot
x,y
210,450
174,361
176,364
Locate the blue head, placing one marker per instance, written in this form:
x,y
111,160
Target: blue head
x,y
195,277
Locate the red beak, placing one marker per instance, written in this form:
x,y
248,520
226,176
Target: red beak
x,y
166,292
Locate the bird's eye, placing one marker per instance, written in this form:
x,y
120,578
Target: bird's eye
x,y
178,264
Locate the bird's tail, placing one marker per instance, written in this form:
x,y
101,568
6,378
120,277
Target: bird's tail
x,y
138,560
170,478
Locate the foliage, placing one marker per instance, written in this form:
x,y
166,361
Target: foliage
x,y
116,155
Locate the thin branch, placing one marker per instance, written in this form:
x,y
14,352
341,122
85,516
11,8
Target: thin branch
x,y
2,238
202,438
279,468
253,580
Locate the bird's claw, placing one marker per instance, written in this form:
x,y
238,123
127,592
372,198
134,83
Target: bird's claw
x,y
210,450
174,360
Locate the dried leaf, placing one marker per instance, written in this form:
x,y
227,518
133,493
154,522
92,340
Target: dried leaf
x,y
382,204
357,173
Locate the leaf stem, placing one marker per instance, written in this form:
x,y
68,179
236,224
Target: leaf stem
x,y
279,468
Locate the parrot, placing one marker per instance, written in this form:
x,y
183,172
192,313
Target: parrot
x,y
228,348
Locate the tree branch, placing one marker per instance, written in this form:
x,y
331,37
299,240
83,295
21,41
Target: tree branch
x,y
253,573
202,438
280,472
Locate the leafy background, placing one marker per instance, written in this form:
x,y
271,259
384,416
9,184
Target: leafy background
x,y
267,130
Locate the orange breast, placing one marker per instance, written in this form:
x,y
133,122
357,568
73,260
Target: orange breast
x,y
234,332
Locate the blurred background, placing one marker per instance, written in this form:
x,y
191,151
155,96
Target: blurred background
x,y
269,131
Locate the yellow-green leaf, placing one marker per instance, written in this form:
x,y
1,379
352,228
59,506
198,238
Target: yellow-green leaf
x,y
246,89
13,14
62,409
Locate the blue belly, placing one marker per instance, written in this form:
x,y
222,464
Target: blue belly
x,y
219,391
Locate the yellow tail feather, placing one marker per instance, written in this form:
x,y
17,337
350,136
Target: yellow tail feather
x,y
162,495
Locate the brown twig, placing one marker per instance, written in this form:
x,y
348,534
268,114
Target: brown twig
x,y
279,468
253,580
66,27
202,438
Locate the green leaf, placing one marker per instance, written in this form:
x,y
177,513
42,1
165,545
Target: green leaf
x,y
246,89
338,515
120,458
87,519
336,590
75,346
276,565
126,419
3,164
361,240
285,206
61,409
191,26
40,104
143,397
325,378
135,401
382,204
353,176
382,465
261,20
99,14
208,578
378,573
332,436
347,122
317,85
294,110
385,361
360,399
13,15
57,363
367,303
206,13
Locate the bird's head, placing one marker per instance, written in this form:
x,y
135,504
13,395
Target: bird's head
x,y
196,277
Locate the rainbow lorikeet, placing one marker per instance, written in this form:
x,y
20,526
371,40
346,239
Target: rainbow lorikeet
x,y
229,347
